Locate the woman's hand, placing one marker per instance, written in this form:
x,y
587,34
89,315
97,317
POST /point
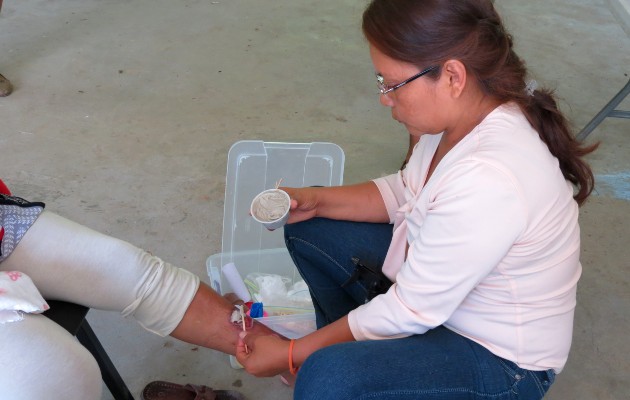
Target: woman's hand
x,y
361,202
304,203
263,355
268,355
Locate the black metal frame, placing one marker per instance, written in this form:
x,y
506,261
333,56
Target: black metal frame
x,y
609,110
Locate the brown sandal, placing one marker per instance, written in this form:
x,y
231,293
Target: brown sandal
x,y
171,391
5,86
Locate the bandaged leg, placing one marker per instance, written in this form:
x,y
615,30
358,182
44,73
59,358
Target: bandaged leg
x,y
70,262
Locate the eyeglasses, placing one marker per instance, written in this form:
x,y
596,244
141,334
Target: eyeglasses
x,y
384,88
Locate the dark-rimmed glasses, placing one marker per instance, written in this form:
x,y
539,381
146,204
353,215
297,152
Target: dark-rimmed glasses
x,y
384,88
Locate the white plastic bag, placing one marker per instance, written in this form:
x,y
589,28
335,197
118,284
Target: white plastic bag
x,y
19,295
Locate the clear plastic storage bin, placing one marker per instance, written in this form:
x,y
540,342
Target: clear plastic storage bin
x,y
254,166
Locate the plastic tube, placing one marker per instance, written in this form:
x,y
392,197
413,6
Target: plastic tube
x,y
234,279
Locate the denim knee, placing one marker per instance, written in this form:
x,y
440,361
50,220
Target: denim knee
x,y
321,378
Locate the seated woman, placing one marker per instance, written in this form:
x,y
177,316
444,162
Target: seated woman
x,y
468,258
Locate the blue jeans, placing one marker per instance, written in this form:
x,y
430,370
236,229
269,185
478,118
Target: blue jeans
x,y
439,364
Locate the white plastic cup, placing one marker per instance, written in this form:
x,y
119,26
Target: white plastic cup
x,y
271,208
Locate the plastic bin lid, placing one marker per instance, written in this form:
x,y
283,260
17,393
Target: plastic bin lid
x,y
254,166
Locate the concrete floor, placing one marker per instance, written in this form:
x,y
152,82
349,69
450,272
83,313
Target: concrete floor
x,y
124,112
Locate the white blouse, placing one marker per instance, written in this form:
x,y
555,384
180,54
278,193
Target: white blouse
x,y
488,247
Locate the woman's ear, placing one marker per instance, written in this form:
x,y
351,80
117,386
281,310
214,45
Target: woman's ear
x,y
455,74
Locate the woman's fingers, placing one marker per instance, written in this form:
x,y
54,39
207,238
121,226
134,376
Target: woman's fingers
x,y
241,350
262,355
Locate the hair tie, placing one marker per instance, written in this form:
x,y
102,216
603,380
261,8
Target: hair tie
x,y
530,87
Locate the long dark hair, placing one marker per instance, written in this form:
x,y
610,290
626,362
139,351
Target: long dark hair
x,y
427,32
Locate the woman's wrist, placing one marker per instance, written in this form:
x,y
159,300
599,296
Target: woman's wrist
x,y
293,368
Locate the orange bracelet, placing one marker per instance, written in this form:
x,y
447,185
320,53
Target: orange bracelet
x,y
292,369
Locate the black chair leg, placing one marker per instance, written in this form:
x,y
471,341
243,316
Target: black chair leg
x,y
111,377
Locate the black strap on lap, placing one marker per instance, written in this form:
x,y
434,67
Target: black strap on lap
x,y
371,277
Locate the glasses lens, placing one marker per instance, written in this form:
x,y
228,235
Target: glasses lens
x,y
380,83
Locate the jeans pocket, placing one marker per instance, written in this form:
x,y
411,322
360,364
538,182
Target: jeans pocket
x,y
526,384
514,373
543,380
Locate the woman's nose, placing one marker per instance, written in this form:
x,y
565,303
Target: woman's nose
x,y
386,100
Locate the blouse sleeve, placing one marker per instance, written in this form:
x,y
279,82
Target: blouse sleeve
x,y
392,189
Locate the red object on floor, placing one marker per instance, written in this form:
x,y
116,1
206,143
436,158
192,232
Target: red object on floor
x,y
3,188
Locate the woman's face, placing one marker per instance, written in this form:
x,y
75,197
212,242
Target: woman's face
x,y
418,105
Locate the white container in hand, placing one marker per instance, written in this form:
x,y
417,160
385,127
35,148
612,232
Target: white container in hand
x,y
271,208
